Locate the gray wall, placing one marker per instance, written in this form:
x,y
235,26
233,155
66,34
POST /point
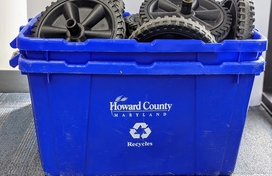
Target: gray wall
x,y
36,6
13,15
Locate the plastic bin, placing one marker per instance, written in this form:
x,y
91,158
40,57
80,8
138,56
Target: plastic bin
x,y
118,107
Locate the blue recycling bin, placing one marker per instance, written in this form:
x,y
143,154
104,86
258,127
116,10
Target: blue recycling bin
x,y
119,107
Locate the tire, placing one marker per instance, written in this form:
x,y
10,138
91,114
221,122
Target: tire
x,y
132,23
94,18
172,28
219,26
243,13
120,5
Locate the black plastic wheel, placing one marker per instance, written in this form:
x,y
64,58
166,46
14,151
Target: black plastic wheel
x,y
172,28
132,23
243,13
209,13
78,20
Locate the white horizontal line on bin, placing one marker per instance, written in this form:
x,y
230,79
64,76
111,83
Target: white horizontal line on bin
x,y
144,111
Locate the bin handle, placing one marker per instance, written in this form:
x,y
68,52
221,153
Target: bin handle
x,y
13,62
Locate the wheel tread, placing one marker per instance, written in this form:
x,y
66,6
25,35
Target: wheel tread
x,y
166,23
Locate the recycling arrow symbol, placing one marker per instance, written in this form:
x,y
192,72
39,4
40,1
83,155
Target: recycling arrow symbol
x,y
134,131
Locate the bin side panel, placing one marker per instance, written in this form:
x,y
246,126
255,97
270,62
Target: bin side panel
x,y
62,108
214,109
237,124
221,111
42,118
124,124
169,148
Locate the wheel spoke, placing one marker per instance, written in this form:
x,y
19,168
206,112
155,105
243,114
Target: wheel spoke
x,y
162,14
95,16
177,2
70,11
209,15
53,32
98,34
196,4
167,6
201,8
203,22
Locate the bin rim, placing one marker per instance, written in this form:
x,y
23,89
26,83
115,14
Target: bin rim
x,y
27,66
24,42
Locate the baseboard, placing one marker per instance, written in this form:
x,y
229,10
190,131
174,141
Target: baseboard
x,y
267,101
13,81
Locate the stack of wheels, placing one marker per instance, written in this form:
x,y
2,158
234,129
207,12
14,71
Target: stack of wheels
x,y
206,20
79,20
229,19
